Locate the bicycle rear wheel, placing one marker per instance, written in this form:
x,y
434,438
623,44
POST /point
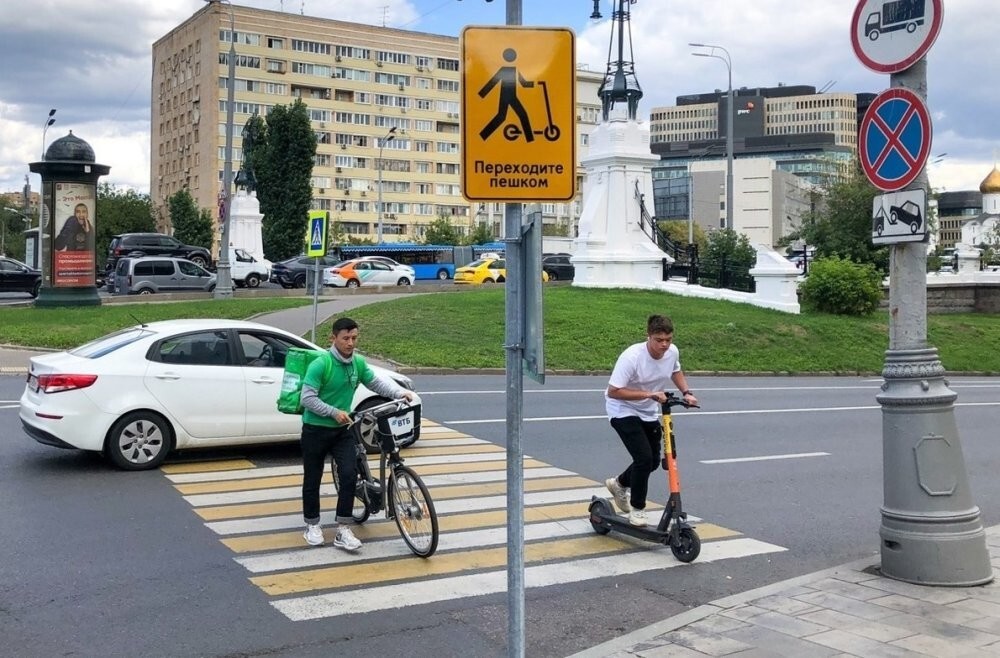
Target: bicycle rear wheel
x,y
361,510
413,510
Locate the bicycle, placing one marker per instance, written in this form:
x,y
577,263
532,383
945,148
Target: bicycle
x,y
405,499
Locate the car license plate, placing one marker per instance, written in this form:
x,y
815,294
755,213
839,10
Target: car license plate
x,y
401,425
33,383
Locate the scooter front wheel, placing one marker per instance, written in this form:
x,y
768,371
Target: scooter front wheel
x,y
688,545
600,508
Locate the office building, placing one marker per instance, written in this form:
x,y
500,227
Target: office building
x,y
803,139
953,210
359,81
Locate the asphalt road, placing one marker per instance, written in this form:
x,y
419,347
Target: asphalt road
x,y
99,562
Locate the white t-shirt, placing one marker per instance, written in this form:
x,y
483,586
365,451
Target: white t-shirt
x,y
636,369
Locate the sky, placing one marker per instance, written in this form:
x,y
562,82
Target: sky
x,y
91,61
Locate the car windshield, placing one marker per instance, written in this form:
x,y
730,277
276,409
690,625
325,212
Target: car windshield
x,y
480,262
108,344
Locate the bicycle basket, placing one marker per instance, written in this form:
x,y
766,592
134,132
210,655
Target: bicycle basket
x,y
395,427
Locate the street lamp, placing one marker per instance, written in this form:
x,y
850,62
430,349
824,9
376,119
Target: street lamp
x,y
48,122
224,280
729,122
389,136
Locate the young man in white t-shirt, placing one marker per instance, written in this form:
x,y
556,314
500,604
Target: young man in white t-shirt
x,y
635,392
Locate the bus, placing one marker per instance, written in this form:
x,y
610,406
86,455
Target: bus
x,y
429,261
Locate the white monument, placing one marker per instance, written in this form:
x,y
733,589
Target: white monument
x,y
615,248
245,224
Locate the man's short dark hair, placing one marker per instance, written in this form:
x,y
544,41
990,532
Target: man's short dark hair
x,y
343,324
659,324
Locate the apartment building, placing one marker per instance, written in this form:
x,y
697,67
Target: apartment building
x,y
359,82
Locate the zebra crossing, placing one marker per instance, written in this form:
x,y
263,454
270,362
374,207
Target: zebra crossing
x,y
257,513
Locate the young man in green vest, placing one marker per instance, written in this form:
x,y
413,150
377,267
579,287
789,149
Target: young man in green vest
x,y
327,400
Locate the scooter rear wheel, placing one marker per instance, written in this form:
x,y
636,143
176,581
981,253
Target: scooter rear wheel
x,y
600,508
688,545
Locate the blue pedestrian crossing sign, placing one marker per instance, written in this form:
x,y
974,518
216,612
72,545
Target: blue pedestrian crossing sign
x,y
316,233
894,139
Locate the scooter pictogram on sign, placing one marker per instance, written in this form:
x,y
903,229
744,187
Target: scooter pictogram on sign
x,y
508,77
894,139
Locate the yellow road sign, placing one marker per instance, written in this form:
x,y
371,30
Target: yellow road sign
x,y
316,231
518,114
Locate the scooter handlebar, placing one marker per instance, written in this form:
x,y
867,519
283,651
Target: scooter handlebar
x,y
674,401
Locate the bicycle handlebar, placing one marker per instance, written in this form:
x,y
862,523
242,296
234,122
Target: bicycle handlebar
x,y
377,410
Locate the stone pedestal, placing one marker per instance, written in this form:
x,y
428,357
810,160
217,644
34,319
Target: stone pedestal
x,y
245,228
612,251
776,280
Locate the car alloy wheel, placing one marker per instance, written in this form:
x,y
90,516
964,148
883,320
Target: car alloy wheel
x,y
139,441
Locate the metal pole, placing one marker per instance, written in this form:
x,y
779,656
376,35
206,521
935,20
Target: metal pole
x,y
729,146
931,531
515,399
389,136
316,285
690,205
48,122
730,111
224,281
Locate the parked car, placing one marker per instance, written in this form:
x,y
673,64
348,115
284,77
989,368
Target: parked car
x,y
291,273
154,244
15,276
388,261
141,392
558,267
151,274
366,272
247,271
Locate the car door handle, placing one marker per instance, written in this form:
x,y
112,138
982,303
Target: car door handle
x,y
167,375
263,380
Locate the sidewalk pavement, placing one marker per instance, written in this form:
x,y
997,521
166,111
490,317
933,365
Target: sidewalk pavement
x,y
849,610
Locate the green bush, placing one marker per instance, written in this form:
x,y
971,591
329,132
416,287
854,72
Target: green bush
x,y
841,287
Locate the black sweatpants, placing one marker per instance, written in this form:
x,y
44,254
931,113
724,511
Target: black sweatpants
x,y
642,440
317,443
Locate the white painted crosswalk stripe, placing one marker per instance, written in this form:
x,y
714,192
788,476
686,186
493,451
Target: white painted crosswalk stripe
x,y
251,509
286,521
283,493
400,595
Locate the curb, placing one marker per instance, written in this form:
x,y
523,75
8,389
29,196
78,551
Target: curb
x,y
625,642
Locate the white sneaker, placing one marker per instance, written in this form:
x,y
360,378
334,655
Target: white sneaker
x,y
620,494
346,540
638,518
313,535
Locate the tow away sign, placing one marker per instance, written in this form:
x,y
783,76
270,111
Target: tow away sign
x,y
518,114
899,217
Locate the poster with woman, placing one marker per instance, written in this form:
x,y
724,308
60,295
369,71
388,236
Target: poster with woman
x,y
73,256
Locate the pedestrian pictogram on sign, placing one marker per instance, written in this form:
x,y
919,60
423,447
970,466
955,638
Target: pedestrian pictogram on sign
x,y
889,36
518,114
316,233
894,139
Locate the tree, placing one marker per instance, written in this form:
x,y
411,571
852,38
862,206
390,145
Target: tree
x,y
12,225
842,224
282,159
677,231
191,226
481,234
120,211
726,245
442,231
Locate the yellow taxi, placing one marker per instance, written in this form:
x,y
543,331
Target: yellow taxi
x,y
488,268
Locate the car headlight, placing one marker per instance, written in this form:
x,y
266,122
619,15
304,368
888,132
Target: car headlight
x,y
404,381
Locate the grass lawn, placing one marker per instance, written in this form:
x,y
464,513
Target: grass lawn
x,y
585,330
68,327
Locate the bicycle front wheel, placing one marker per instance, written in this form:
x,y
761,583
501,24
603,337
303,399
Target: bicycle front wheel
x,y
413,510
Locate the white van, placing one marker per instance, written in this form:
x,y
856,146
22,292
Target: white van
x,y
247,271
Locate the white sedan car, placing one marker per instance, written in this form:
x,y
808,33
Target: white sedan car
x,y
367,272
141,392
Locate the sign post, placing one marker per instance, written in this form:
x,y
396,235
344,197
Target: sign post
x,y
931,532
518,144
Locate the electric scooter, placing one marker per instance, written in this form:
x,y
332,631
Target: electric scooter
x,y
551,131
673,530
